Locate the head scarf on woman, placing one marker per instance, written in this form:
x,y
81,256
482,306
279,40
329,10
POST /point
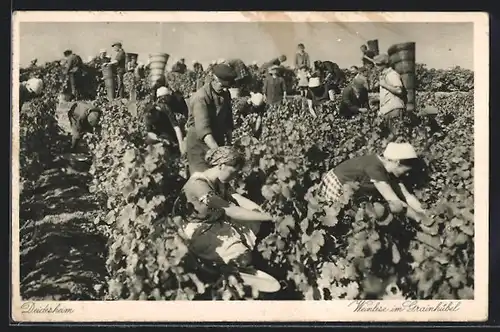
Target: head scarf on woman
x,y
224,155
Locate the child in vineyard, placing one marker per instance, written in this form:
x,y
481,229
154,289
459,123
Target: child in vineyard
x,y
274,88
303,76
377,174
220,224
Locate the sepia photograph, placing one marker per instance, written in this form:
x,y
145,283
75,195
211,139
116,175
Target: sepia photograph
x,y
249,166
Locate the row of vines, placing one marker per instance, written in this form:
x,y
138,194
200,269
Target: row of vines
x,y
316,251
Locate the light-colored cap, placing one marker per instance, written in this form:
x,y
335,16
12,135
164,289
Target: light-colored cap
x,y
103,50
162,91
399,151
257,99
35,85
314,82
254,62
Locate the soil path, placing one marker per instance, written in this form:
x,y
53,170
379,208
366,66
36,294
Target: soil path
x,y
62,251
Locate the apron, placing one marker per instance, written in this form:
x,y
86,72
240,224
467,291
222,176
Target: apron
x,y
222,240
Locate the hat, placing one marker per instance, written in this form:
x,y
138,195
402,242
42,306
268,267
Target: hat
x,y
194,62
273,68
257,99
93,117
314,82
399,151
254,62
224,73
116,43
214,62
162,91
381,59
35,85
103,50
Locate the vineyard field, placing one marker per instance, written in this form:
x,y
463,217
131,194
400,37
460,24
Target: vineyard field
x,y
107,231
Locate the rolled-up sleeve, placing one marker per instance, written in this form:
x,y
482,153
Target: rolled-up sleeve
x,y
201,117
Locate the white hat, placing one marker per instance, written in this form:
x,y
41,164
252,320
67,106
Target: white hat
x,y
399,151
257,99
254,62
35,85
103,50
214,62
162,91
314,82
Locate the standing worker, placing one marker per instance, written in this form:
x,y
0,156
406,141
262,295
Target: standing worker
x,y
73,72
392,92
180,66
120,67
302,59
274,88
210,121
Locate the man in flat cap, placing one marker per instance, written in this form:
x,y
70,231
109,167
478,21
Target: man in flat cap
x,y
73,72
210,119
120,66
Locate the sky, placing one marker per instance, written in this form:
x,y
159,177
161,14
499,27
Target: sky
x,y
438,45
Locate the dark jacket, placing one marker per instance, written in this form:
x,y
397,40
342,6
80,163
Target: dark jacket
x,y
120,65
160,119
332,72
351,103
73,64
210,113
179,68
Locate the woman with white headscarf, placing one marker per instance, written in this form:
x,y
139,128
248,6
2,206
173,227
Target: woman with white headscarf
x,y
377,174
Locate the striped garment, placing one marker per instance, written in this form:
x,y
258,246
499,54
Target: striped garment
x,y
331,188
